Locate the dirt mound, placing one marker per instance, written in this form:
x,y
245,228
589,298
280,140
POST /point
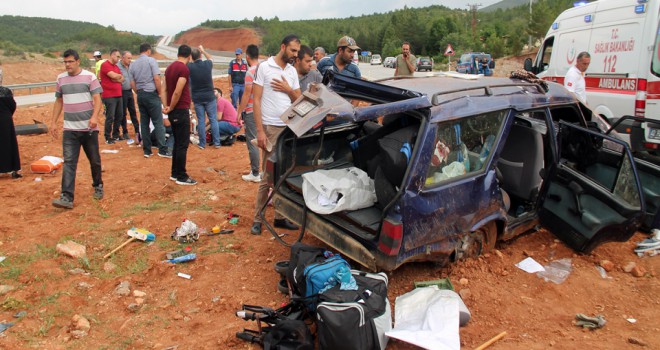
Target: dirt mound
x,y
505,65
220,39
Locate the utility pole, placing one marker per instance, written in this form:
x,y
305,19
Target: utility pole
x,y
529,44
473,10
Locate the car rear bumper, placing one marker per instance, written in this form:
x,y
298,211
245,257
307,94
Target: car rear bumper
x,y
330,234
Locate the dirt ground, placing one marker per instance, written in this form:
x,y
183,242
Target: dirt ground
x,y
236,269
220,39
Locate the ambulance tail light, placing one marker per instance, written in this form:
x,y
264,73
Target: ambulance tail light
x,y
640,98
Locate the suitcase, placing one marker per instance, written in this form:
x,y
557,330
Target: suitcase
x,y
355,319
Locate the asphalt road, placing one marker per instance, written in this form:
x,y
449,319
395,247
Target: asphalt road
x,y
377,72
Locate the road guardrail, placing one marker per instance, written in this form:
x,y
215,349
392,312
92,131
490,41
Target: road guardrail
x,y
29,87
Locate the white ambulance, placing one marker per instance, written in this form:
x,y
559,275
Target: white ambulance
x,y
624,76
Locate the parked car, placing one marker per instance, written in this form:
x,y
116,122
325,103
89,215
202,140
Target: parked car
x,y
424,64
457,165
389,62
375,59
476,63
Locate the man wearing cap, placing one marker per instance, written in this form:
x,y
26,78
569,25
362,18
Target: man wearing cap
x,y
237,70
342,61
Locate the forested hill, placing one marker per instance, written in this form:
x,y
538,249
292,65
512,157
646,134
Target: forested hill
x,y
35,34
429,29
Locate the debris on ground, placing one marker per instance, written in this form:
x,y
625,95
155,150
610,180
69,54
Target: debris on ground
x,y
592,322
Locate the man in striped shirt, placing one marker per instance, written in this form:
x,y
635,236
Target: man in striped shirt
x,y
78,93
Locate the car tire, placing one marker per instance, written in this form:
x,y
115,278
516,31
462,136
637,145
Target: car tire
x,y
281,267
283,287
481,241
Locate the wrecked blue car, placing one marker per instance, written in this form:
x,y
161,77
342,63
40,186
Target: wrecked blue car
x,y
458,164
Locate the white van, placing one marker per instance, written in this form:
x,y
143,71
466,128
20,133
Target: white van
x,y
624,76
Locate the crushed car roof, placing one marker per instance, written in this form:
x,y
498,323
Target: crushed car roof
x,y
456,96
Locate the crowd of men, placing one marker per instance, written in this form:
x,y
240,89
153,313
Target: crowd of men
x,y
260,93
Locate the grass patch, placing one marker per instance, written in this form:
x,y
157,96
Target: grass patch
x,y
204,207
52,298
12,273
12,304
138,265
15,264
46,326
220,248
104,214
150,207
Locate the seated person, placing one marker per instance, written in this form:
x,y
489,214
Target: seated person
x,y
228,122
169,137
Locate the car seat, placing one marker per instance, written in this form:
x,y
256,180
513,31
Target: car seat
x,y
521,162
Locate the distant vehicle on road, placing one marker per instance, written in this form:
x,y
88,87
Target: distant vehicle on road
x,y
424,64
356,58
476,63
389,62
375,59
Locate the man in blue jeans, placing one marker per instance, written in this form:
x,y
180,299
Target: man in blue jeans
x,y
145,79
237,70
201,90
81,129
228,122
245,113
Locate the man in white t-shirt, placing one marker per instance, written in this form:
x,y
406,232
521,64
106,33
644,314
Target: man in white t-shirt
x,y
269,102
574,80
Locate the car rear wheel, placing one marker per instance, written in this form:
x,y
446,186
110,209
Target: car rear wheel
x,y
480,241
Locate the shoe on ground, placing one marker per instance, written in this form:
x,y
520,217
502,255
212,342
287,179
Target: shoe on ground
x,y
165,154
200,147
147,155
285,224
125,137
252,177
256,228
187,182
63,202
16,175
228,141
217,146
130,141
173,178
98,192
110,142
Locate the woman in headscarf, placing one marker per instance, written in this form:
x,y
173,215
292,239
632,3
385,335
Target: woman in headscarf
x,y
10,161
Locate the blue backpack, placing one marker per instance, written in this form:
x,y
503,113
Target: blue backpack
x,y
321,275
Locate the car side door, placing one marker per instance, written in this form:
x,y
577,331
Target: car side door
x,y
592,194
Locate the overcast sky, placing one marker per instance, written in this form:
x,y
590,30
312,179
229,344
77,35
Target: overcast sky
x,y
173,16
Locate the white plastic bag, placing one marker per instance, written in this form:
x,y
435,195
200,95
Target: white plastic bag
x,y
330,191
427,317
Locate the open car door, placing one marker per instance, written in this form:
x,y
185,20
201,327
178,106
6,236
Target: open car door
x,y
593,194
647,164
